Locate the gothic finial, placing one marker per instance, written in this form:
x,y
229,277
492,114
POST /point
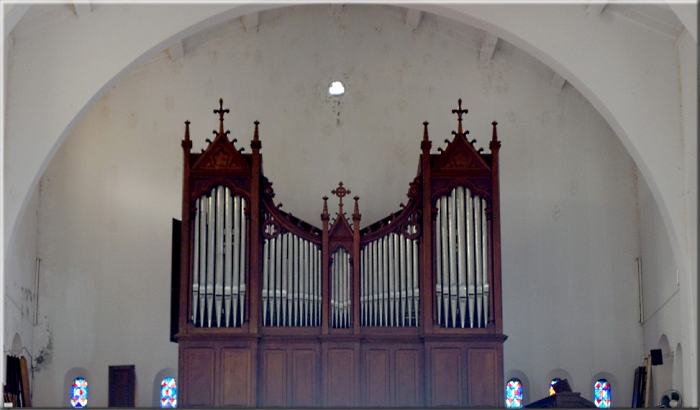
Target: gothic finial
x,y
356,210
187,142
425,143
221,111
495,144
340,192
255,144
459,111
324,213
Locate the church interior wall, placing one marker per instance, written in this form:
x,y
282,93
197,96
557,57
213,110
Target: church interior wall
x,y
110,192
20,283
570,295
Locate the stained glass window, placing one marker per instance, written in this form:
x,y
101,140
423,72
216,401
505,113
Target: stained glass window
x,y
514,394
79,393
551,386
168,393
601,394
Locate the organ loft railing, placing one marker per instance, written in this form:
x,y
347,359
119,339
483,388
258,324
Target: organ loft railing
x,y
252,270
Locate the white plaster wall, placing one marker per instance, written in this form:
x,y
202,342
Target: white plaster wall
x,y
670,293
570,234
688,58
20,282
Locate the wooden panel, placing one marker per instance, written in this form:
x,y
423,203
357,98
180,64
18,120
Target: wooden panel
x,y
304,377
482,377
122,386
274,378
445,380
408,378
237,377
199,377
340,377
377,378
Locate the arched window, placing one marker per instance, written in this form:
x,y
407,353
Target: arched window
x,y
601,394
551,385
79,393
168,393
514,394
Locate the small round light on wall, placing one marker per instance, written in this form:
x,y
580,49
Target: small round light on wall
x,y
336,88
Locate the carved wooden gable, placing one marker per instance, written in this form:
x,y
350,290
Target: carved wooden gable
x,y
460,154
221,155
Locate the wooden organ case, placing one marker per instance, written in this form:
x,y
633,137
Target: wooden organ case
x,y
276,312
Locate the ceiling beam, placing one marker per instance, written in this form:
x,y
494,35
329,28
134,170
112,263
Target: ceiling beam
x,y
557,81
488,48
82,8
596,7
177,50
251,21
413,18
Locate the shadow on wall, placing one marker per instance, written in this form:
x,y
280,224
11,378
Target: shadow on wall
x,y
678,369
662,375
556,374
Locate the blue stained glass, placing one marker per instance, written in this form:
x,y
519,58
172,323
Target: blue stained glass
x,y
514,394
168,393
601,394
79,393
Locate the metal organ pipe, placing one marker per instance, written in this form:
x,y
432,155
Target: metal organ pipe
x,y
219,259
389,281
461,260
291,281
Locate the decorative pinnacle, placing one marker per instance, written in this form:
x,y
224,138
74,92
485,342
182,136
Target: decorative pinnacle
x,y
459,111
255,144
495,144
356,211
324,214
221,111
187,143
425,130
340,192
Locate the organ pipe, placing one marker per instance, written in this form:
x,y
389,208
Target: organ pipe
x,y
461,260
219,259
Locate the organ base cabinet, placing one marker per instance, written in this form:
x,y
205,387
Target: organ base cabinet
x,y
313,372
277,312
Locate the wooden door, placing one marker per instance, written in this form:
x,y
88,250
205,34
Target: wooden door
x,y
122,386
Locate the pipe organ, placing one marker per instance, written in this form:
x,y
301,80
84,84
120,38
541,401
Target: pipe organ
x,y
277,312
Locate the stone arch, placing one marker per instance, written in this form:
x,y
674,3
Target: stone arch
x,y
16,347
165,29
496,23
